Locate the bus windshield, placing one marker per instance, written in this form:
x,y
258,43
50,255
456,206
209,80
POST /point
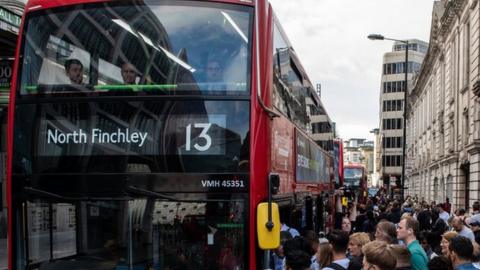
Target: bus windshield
x,y
127,48
353,176
192,232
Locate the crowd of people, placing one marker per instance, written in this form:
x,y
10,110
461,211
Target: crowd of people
x,y
387,234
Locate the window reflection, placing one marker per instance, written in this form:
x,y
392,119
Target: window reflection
x,y
97,137
166,49
138,234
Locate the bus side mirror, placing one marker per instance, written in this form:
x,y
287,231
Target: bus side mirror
x,y
274,183
268,239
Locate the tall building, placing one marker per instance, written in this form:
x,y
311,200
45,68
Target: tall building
x,y
443,123
391,105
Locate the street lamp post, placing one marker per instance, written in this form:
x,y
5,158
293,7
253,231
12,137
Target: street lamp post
x,y
405,96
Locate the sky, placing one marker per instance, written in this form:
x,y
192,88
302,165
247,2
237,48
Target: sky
x,y
330,38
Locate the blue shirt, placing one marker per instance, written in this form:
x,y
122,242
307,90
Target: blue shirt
x,y
278,262
342,262
466,266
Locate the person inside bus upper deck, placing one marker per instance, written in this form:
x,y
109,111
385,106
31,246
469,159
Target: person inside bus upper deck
x,y
129,73
214,75
74,70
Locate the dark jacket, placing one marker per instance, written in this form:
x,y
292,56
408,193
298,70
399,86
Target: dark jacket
x,y
356,263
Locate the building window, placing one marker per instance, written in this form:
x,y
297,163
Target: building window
x,y
321,127
466,54
392,105
392,142
391,161
393,87
399,67
435,188
392,123
450,187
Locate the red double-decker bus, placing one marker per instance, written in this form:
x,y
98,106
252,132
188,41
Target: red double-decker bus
x,y
338,162
146,135
356,179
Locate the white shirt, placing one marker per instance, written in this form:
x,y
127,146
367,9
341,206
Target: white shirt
x,y
314,265
292,231
467,233
444,215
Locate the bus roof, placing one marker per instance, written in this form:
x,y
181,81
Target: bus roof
x,y
33,5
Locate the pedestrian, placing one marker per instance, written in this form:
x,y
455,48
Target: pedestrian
x,y
346,225
339,241
387,232
312,238
442,213
446,238
439,227
395,213
461,214
355,244
440,263
461,252
382,215
475,226
297,244
461,229
402,255
424,218
324,253
475,212
360,218
292,231
378,256
447,206
370,223
279,254
407,231
425,238
297,260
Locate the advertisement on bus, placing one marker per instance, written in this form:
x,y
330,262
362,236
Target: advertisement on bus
x,y
312,165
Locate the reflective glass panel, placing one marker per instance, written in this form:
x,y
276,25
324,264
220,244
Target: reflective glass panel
x,y
127,48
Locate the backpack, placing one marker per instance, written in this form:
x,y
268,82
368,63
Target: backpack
x,y
336,266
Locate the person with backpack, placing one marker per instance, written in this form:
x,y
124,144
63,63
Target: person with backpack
x,y
339,241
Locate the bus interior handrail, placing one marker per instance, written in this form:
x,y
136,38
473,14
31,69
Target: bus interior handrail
x,y
144,192
51,195
148,193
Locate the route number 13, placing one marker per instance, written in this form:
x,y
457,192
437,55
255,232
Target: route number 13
x,y
203,134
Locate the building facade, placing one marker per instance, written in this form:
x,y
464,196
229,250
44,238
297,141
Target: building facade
x,y
391,106
443,122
